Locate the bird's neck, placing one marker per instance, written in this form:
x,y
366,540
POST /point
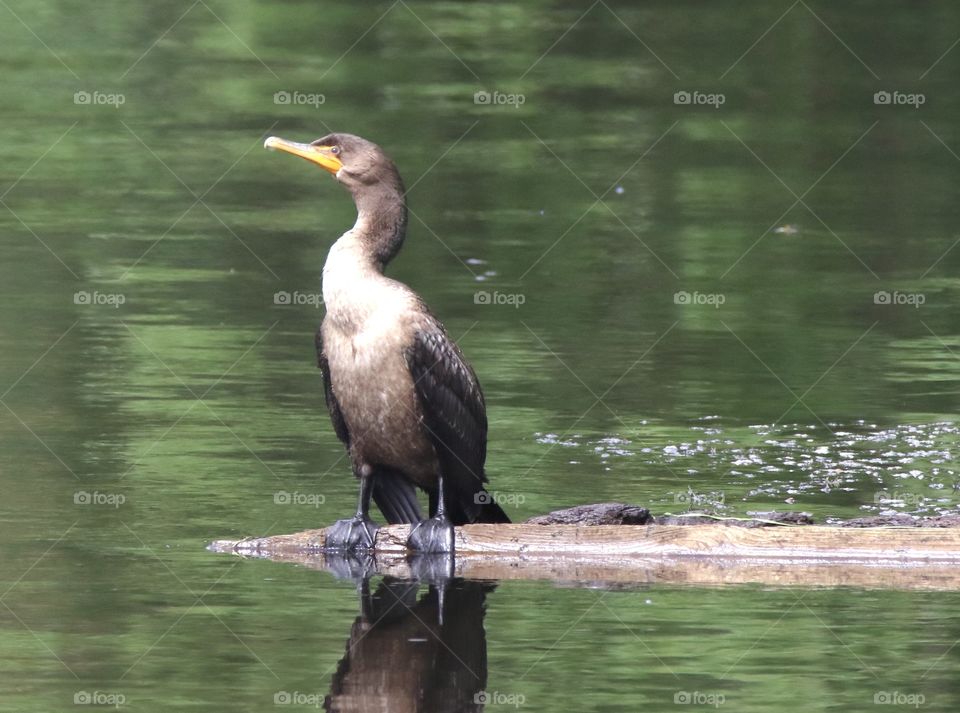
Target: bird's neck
x,y
351,283
353,279
381,222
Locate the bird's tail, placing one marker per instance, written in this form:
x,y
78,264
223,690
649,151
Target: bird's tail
x,y
490,512
470,506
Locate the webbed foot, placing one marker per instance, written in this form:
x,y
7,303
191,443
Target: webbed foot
x,y
355,533
432,536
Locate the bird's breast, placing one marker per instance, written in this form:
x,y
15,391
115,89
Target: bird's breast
x,y
375,390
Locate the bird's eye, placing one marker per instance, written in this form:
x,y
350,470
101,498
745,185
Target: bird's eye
x,y
335,150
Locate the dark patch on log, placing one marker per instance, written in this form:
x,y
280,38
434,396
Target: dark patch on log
x,y
902,521
596,514
623,514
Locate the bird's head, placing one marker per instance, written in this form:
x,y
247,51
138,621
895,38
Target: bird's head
x,y
371,178
353,161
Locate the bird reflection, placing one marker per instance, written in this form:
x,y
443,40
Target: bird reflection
x,y
409,651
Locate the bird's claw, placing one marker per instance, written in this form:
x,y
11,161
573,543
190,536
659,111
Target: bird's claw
x,y
355,533
433,536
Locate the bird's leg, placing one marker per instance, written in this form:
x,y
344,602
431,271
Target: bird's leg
x,y
358,532
436,534
437,570
366,600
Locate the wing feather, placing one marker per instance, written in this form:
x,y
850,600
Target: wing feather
x,y
333,406
454,413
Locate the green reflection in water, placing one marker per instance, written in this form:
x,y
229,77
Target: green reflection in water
x,y
799,386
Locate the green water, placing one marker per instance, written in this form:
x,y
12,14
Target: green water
x,y
183,412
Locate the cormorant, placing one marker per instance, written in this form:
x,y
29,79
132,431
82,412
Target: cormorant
x,y
427,655
401,395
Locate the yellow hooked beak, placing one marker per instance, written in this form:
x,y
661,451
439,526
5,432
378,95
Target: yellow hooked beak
x,y
320,155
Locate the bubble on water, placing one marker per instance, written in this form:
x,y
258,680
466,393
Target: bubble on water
x,y
787,462
554,439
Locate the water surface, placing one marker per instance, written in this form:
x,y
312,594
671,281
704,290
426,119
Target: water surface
x,y
747,305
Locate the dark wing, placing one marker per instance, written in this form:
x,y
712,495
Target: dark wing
x,y
455,416
394,494
336,416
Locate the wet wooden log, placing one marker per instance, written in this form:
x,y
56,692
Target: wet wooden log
x,y
877,544
702,554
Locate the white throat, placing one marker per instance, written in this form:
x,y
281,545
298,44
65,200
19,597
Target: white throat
x,y
353,287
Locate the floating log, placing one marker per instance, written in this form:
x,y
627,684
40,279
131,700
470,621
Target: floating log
x,y
701,554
